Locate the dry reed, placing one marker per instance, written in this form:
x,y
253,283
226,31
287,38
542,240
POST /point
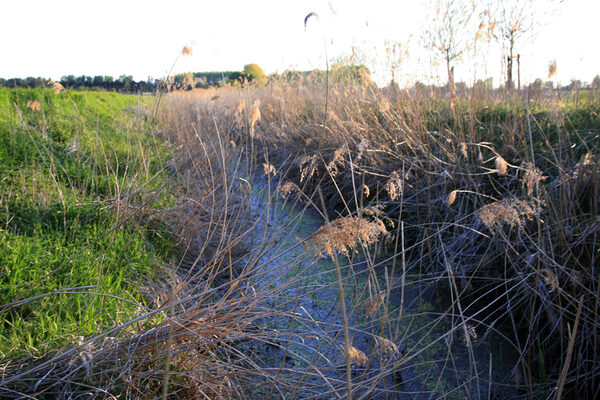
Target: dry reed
x,y
344,235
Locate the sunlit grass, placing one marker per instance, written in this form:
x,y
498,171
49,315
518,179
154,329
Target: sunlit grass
x,y
73,170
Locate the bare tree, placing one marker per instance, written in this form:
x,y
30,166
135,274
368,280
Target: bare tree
x,y
449,32
516,22
395,55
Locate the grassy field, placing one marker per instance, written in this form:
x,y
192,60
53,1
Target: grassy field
x,y
133,239
81,174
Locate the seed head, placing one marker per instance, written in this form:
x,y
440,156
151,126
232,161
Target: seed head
x,y
344,234
56,87
366,190
34,105
386,347
394,186
501,166
338,160
511,211
463,149
451,197
357,357
551,69
551,280
255,117
186,51
531,178
269,169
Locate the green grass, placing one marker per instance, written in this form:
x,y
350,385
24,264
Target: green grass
x,y
72,177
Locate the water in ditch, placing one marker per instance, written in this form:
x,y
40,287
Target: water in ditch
x,y
404,346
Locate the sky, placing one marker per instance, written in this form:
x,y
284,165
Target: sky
x,y
144,38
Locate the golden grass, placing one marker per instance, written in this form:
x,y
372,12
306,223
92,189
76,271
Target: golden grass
x,y
255,116
513,212
344,235
57,87
552,69
501,165
34,105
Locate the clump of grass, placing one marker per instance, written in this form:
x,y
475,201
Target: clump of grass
x,y
513,212
344,234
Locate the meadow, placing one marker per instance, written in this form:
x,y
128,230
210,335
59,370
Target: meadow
x,y
162,249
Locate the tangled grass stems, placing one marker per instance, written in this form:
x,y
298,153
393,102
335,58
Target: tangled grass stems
x,y
436,171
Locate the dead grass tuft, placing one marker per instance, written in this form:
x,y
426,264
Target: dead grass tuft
x,y
551,280
374,302
344,234
287,188
269,169
308,166
513,212
463,149
34,105
532,177
362,147
394,186
386,348
57,87
337,161
357,357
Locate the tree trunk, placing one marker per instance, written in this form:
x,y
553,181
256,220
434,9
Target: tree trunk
x,y
509,65
518,71
450,72
509,82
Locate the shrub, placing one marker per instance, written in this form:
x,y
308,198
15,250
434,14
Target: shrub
x,y
255,74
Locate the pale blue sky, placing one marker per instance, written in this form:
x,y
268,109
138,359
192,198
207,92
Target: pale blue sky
x,y
143,38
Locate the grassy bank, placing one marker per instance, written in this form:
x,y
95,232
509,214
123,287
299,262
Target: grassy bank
x,y
124,226
81,175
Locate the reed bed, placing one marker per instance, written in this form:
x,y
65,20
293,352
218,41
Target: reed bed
x,y
497,193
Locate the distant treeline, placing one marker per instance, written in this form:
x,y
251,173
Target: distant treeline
x,y
124,83
191,80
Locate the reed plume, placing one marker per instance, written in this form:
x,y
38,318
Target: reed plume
x,y
344,234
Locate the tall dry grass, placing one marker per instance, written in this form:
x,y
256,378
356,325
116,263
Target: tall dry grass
x,y
498,195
